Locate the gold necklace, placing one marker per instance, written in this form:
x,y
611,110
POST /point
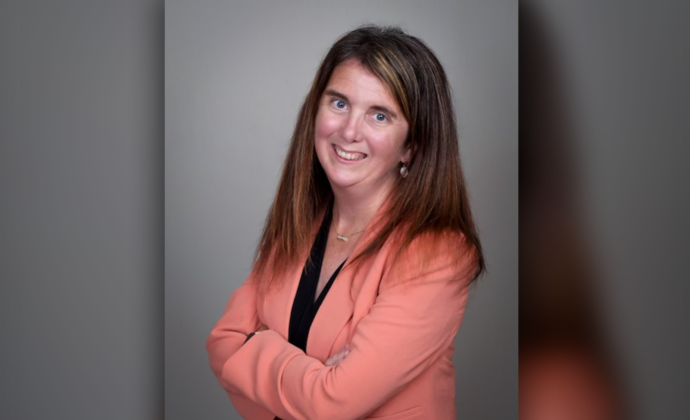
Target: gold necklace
x,y
342,237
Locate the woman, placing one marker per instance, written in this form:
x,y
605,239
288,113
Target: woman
x,y
361,275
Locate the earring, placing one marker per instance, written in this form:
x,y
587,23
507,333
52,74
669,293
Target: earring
x,y
403,170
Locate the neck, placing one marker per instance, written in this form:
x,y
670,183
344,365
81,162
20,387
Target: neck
x,y
352,213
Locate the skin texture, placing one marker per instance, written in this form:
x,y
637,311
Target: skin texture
x,y
352,117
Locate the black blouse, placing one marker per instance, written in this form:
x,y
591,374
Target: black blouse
x,y
304,308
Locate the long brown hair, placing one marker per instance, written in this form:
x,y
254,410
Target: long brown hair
x,y
432,199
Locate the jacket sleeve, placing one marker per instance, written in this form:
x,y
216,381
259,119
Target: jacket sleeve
x,y
414,319
239,318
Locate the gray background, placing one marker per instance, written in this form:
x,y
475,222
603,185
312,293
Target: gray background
x,y
235,76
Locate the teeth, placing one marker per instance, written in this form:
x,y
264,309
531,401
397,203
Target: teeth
x,y
349,156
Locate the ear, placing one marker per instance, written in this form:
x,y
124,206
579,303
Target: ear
x,y
407,155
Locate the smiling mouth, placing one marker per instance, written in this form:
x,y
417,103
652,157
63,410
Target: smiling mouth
x,y
347,155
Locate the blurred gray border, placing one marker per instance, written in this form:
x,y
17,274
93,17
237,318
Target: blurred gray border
x,y
81,209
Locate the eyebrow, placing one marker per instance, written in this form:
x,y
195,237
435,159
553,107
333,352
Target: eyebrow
x,y
382,108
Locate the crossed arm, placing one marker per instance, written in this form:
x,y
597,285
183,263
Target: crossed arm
x,y
411,323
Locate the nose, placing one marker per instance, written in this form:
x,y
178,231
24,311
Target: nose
x,y
351,130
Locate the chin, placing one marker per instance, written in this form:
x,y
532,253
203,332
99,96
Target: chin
x,y
341,183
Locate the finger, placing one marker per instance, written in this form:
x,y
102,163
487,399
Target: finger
x,y
335,362
341,357
332,360
337,358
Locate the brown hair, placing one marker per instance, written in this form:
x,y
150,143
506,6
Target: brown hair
x,y
432,199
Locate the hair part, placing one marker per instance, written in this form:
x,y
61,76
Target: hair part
x,y
431,200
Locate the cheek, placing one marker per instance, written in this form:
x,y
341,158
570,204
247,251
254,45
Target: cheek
x,y
322,132
389,146
400,137
325,125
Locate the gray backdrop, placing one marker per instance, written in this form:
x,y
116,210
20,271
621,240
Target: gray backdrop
x,y
235,76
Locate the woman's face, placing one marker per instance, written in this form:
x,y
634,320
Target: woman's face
x,y
360,132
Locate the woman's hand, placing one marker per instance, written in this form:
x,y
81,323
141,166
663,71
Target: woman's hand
x,y
261,328
339,356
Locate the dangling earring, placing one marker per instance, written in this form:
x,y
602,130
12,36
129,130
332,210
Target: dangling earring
x,y
403,170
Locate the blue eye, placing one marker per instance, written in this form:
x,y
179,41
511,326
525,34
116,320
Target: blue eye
x,y
380,117
339,103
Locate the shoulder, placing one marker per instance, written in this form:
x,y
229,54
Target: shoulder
x,y
431,256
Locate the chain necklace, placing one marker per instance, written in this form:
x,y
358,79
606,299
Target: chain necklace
x,y
342,237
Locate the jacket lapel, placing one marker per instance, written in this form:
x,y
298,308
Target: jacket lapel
x,y
333,315
338,306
